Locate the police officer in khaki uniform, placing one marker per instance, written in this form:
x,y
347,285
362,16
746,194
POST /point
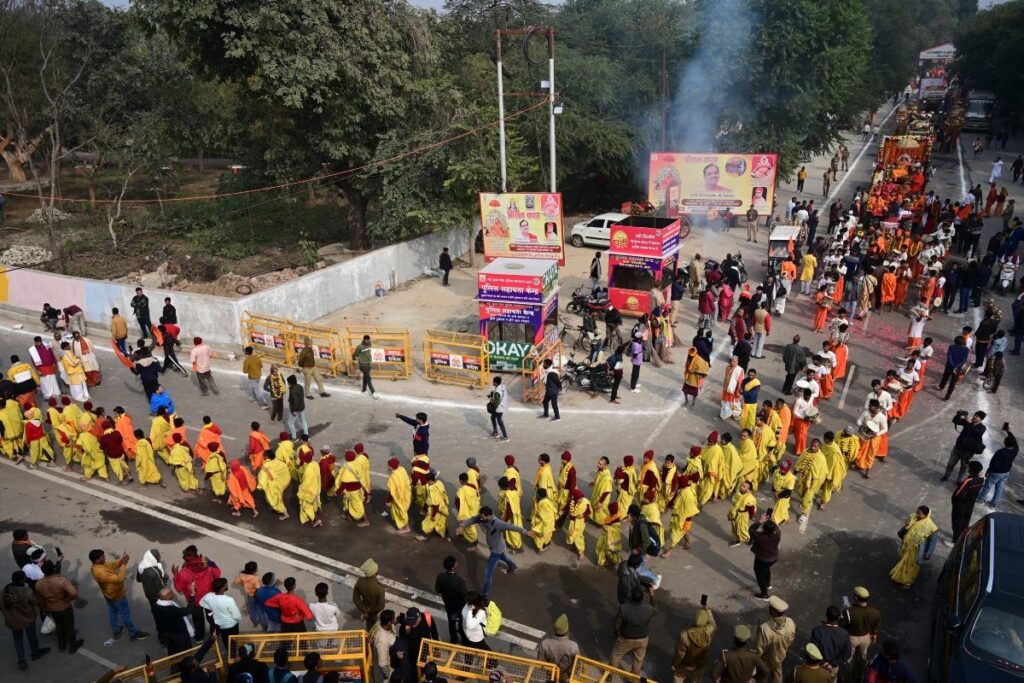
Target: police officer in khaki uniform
x,y
811,671
693,649
774,637
738,664
863,623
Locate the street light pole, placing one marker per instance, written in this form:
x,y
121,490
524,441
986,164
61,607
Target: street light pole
x,y
501,115
551,107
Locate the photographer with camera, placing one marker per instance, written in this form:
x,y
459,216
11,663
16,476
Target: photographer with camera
x,y
968,444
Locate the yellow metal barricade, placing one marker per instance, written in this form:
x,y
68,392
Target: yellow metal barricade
x,y
328,348
533,368
469,664
590,671
456,358
266,334
391,352
168,669
344,651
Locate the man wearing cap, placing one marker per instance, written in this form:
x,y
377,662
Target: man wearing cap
x,y
862,622
693,647
247,664
812,670
416,626
559,649
368,593
736,664
833,643
493,529
774,637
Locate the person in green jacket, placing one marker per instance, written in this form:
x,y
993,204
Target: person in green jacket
x,y
363,355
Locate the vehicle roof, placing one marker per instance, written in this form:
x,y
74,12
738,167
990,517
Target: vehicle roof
x,y
612,215
1005,537
785,232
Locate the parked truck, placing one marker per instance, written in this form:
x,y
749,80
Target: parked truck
x,y
979,109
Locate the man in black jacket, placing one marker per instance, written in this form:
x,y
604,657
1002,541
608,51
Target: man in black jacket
x,y
968,444
963,499
833,642
452,589
639,542
444,262
171,627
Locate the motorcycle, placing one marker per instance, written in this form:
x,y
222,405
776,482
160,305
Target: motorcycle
x,y
583,302
583,375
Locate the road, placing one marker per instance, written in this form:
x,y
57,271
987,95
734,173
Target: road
x,y
852,543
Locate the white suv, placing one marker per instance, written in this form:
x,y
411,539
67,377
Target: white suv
x,y
596,231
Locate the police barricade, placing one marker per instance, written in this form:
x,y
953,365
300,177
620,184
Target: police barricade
x,y
533,368
168,669
266,335
456,358
347,652
590,671
391,353
328,349
470,664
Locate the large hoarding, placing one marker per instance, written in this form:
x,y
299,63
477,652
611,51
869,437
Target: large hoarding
x,y
522,225
682,183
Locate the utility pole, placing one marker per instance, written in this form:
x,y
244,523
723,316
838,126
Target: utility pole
x,y
664,102
501,115
551,107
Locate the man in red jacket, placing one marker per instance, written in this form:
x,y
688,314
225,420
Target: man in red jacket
x,y
294,610
194,580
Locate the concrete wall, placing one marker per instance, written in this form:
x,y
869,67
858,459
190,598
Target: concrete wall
x,y
216,318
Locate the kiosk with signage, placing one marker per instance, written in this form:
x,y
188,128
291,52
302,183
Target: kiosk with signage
x,y
643,257
518,305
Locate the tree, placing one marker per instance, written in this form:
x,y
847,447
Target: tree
x,y
989,53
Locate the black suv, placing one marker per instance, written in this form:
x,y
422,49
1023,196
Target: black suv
x,y
978,616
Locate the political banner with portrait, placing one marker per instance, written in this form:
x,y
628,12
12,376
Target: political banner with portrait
x,y
522,225
682,183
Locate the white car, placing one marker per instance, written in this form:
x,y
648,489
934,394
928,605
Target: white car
x,y
596,231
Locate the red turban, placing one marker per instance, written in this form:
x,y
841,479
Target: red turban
x,y
649,455
65,401
695,451
87,405
628,461
284,436
393,463
358,448
349,456
566,456
52,402
510,460
713,437
613,508
305,456
786,466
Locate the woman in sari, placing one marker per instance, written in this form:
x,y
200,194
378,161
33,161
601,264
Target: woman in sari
x,y
72,367
919,540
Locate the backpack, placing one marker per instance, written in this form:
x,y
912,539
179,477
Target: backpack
x,y
493,623
654,549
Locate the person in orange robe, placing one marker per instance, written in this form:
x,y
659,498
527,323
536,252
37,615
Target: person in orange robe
x,y
179,428
822,303
241,484
837,294
123,424
913,252
785,419
839,340
827,378
923,356
209,433
888,286
903,277
990,199
928,292
259,443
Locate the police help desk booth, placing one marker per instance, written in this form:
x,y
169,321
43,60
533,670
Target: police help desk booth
x,y
642,258
518,306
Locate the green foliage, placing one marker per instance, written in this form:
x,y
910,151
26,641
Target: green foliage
x,y
990,56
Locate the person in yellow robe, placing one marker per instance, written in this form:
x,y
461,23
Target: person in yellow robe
x,y
37,440
159,429
362,463
436,518
310,488
668,483
71,412
112,446
684,509
649,490
145,461
919,541
566,482
399,495
473,473
350,486
216,470
13,442
625,479
285,452
467,504
510,511
783,484
601,492
67,437
764,443
747,453
811,470
542,519
575,533
744,507
609,542
849,444
93,460
729,474
180,459
273,479
74,373
751,390
420,469
124,426
241,484
836,469
512,474
711,461
544,479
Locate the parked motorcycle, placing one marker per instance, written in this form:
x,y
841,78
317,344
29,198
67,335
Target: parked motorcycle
x,y
584,376
582,302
